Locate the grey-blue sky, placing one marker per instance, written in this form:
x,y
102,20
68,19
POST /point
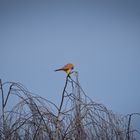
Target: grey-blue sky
x,y
102,39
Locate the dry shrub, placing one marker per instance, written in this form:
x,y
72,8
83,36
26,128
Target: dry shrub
x,y
77,117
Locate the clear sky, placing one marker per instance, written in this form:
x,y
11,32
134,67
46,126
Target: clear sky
x,y
101,38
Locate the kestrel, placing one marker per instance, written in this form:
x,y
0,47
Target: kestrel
x,y
67,68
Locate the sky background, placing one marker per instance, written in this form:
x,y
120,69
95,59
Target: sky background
x,y
101,38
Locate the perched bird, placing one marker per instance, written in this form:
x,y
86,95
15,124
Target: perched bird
x,y
67,68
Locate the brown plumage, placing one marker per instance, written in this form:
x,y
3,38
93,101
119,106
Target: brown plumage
x,y
67,68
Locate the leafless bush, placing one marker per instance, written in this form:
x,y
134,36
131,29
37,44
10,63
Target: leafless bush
x,y
76,118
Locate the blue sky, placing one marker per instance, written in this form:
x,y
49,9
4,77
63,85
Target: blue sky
x,y
101,38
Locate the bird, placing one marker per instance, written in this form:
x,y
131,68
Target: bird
x,y
66,68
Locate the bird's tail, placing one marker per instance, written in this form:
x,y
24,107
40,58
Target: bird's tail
x,y
58,69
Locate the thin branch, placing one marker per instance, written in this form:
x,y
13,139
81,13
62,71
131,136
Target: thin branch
x,y
63,93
